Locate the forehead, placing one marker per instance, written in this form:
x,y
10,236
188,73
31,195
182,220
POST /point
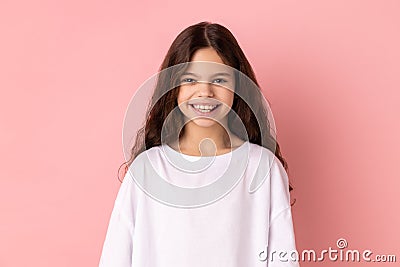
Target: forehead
x,y
207,68
207,54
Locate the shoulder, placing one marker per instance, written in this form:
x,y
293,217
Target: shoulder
x,y
261,153
147,154
264,166
269,174
267,158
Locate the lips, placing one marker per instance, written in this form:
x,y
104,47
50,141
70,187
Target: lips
x,y
204,109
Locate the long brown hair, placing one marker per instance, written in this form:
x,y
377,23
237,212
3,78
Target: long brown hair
x,y
203,35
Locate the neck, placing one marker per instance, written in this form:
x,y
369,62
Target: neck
x,y
205,140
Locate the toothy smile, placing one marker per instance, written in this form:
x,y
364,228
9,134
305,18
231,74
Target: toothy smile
x,y
204,108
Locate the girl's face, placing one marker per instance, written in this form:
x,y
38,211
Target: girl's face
x,y
206,88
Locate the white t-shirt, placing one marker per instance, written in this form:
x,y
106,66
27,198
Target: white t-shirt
x,y
165,224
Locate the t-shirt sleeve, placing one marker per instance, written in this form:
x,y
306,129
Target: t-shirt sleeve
x,y
281,240
117,247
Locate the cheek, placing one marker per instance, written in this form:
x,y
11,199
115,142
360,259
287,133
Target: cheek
x,y
228,97
179,97
182,95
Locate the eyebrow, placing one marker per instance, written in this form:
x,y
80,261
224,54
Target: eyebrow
x,y
216,74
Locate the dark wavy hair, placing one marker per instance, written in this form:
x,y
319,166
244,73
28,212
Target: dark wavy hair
x,y
164,100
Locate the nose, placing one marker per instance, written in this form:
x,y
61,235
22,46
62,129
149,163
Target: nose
x,y
204,89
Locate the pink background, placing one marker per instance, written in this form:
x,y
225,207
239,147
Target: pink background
x,y
69,69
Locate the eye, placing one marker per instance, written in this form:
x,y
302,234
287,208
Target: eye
x,y
188,80
219,81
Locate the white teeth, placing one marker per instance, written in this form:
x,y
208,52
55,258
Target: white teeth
x,y
204,108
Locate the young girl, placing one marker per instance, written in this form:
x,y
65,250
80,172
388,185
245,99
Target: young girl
x,y
206,184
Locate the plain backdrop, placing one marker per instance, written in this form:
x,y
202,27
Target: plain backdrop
x,y
68,70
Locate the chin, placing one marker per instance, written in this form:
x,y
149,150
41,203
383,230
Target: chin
x,y
206,123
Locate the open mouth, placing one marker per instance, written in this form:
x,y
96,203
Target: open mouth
x,y
204,109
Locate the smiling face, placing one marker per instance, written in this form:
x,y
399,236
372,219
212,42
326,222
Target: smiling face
x,y
206,88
